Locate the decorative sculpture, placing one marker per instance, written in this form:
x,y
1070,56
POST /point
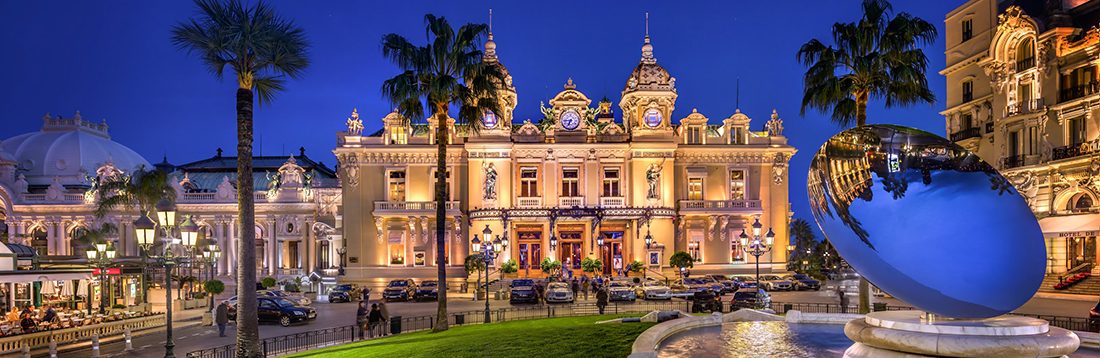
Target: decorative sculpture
x,y
653,177
355,125
490,189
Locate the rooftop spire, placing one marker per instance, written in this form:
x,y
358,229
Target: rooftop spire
x,y
490,45
647,48
646,22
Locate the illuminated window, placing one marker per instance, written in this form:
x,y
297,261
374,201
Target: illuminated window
x,y
397,185
1077,131
737,184
611,182
737,135
1082,203
694,135
398,135
736,254
695,189
1025,55
570,182
653,118
528,182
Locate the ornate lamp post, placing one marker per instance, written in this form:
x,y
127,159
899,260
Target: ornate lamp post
x,y
343,250
488,252
146,230
757,248
210,256
101,257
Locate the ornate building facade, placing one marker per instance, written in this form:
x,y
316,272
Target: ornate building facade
x,y
1023,93
578,183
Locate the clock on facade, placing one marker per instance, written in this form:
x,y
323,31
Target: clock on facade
x,y
570,120
489,119
653,118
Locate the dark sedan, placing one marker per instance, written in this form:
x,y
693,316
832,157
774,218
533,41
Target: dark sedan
x,y
427,291
342,293
278,310
524,291
399,290
805,282
753,298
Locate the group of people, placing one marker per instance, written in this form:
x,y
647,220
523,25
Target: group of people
x,y
33,319
372,318
597,285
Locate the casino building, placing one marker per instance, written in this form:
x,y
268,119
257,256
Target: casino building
x,y
1023,93
585,180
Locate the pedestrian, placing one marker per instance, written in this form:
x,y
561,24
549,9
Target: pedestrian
x,y
374,318
221,317
361,316
365,294
584,286
601,299
575,286
385,322
843,299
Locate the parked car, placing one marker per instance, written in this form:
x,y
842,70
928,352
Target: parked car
x,y
728,285
399,290
712,284
754,298
343,293
524,291
621,291
428,290
296,298
775,283
283,312
744,281
653,290
804,282
559,292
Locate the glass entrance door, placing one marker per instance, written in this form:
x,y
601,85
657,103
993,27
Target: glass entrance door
x,y
530,257
1081,250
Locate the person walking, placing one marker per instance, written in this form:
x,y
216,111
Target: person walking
x,y
575,286
843,299
361,318
373,320
385,314
221,317
584,286
364,294
601,299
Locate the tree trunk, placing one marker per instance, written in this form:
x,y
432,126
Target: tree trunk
x,y
248,330
441,219
861,108
864,295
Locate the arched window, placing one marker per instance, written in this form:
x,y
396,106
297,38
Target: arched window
x,y
1081,203
1025,54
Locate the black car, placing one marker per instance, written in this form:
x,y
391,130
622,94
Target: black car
x,y
728,285
806,282
342,293
428,290
278,310
399,290
754,298
523,291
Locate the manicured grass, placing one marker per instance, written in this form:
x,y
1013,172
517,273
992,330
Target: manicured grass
x,y
554,337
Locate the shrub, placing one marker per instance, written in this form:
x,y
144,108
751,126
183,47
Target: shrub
x,y
214,287
592,265
509,267
681,260
268,282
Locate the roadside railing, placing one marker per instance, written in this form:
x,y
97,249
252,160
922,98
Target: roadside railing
x,y
299,342
42,339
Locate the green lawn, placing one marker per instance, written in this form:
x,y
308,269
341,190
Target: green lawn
x,y
554,337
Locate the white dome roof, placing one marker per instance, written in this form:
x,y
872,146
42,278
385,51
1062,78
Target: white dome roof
x,y
68,148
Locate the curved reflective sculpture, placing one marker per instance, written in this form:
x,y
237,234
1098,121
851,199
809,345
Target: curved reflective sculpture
x,y
927,221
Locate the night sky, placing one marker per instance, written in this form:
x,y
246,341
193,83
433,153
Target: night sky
x,y
116,63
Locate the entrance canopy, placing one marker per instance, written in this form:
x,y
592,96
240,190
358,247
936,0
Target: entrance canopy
x,y
23,276
1071,226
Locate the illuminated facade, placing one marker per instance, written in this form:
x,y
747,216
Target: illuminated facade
x,y
1023,93
557,187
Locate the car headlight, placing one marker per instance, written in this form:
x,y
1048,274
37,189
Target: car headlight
x,y
299,313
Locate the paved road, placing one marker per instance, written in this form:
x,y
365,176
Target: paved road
x,y
330,315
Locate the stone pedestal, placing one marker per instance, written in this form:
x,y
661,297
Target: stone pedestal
x,y
905,334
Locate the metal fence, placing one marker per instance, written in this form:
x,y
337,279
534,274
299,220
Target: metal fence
x,y
299,342
1070,323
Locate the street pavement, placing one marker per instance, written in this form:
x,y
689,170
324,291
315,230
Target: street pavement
x,y
330,315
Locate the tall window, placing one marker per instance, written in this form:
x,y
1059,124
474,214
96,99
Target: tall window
x,y
737,135
737,184
1025,55
694,135
397,185
966,121
324,257
570,182
736,254
398,135
967,29
1078,83
1031,140
528,182
1077,131
968,91
1014,144
695,189
611,182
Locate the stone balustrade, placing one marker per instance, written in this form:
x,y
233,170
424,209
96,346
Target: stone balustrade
x,y
38,340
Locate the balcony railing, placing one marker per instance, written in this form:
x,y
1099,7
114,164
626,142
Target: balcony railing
x,y
529,202
65,198
972,132
1025,107
411,205
612,202
719,205
1071,151
1075,92
1025,64
570,201
1012,161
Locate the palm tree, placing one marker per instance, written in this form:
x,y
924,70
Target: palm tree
x,y
804,242
261,49
446,72
878,56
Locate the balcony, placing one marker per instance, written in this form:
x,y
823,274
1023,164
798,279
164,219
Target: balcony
x,y
570,201
1012,161
529,202
720,206
66,198
1071,151
1075,92
613,202
972,132
1025,64
411,207
1025,107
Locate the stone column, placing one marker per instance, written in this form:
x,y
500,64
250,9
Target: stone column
x,y
63,246
51,244
411,239
231,254
223,245
271,251
305,260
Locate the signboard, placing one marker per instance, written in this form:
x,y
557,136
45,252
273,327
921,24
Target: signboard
x,y
1079,233
110,271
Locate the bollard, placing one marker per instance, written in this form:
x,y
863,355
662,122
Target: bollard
x,y
53,348
129,340
95,346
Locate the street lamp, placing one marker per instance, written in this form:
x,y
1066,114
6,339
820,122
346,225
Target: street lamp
x,y
757,248
146,229
343,250
101,257
488,252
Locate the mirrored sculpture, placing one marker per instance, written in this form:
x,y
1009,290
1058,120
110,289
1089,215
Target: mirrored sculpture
x,y
927,221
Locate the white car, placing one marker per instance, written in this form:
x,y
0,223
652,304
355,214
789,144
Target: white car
x,y
621,291
559,292
654,290
775,283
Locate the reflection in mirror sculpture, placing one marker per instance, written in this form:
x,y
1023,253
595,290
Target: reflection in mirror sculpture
x,y
927,221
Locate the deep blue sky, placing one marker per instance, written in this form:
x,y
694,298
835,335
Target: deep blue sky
x,y
114,60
